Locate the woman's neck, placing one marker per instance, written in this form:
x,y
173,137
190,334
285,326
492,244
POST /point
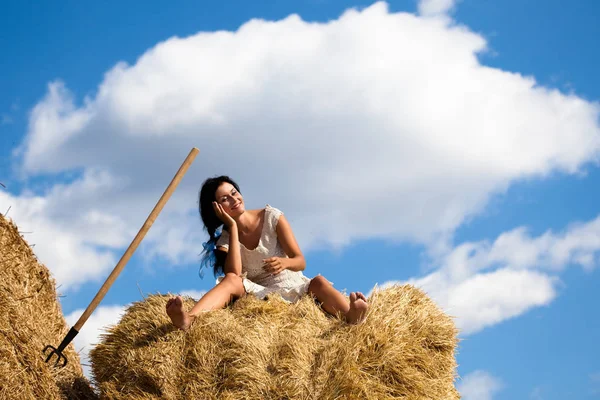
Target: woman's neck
x,y
247,222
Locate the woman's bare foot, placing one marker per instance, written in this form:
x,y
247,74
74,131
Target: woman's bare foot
x,y
175,310
358,308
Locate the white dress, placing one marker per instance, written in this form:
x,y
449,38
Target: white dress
x,y
291,285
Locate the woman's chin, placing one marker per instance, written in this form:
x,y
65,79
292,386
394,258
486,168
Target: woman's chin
x,y
237,212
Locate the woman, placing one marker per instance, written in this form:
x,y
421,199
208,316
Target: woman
x,y
257,253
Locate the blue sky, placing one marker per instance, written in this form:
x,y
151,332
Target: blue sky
x,y
544,348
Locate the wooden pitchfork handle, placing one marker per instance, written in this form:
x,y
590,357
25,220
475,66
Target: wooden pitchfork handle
x,y
122,262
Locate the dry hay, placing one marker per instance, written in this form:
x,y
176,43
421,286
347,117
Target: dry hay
x,y
257,349
31,318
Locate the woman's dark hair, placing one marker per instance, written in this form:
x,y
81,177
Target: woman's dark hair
x,y
211,257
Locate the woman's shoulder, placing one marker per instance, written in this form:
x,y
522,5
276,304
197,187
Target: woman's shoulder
x,y
267,210
270,210
272,215
269,207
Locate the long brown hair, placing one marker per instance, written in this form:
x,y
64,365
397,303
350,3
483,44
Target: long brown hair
x,y
211,257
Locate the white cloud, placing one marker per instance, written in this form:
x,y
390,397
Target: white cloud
x,y
435,7
482,284
479,385
65,234
194,294
89,336
375,125
56,120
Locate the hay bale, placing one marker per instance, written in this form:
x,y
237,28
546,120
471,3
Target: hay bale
x,y
258,349
31,318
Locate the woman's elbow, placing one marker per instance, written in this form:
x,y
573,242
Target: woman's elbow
x,y
301,263
233,269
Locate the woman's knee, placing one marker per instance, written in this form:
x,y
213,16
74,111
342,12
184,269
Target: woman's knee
x,y
318,283
235,283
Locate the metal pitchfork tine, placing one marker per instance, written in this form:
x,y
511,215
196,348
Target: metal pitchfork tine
x,y
58,352
72,333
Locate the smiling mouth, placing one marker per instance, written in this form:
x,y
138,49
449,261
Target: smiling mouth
x,y
236,206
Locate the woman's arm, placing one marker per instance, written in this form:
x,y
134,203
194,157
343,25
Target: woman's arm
x,y
233,260
296,261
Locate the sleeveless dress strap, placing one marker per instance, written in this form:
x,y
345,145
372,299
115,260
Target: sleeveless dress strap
x,y
272,215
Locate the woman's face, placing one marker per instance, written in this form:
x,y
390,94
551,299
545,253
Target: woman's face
x,y
230,199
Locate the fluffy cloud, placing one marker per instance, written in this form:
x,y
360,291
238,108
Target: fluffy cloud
x,y
483,283
68,242
89,336
479,385
435,7
194,294
376,124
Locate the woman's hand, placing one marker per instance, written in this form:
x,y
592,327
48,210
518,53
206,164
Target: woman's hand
x,y
222,215
275,265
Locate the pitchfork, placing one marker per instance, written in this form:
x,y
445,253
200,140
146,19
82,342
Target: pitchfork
x,y
58,352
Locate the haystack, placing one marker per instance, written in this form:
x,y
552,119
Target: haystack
x,y
31,318
268,349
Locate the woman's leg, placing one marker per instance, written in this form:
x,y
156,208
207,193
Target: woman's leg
x,y
334,302
229,289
